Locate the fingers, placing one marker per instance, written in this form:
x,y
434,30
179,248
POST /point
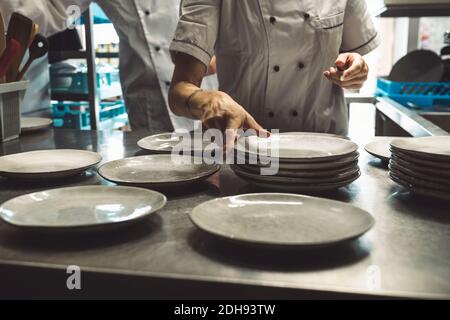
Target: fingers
x,y
250,123
355,70
351,84
342,61
351,71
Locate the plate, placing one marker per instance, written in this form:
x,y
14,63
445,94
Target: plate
x,y
157,171
415,174
47,164
166,142
431,148
380,148
421,169
419,161
297,147
294,180
297,188
420,183
81,207
275,219
420,191
30,124
418,66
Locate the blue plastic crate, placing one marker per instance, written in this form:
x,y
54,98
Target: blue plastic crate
x,y
421,94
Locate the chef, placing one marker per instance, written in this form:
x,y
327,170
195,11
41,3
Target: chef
x,y
281,64
145,29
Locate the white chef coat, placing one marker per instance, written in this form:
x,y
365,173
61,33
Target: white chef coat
x,y
271,55
145,29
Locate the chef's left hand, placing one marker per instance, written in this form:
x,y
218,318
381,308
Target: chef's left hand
x,y
350,71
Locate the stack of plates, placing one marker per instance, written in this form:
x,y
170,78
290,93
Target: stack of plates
x,y
422,165
305,162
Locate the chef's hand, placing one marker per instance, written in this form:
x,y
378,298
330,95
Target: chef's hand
x,y
350,71
217,110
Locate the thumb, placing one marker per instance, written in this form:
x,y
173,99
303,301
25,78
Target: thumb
x,y
341,61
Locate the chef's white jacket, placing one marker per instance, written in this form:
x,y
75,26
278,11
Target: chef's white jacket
x,y
145,29
271,55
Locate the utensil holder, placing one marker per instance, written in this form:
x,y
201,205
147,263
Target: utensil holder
x,y
11,97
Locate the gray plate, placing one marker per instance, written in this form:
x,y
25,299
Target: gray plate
x,y
47,164
282,220
380,148
81,207
422,169
420,183
166,142
295,180
431,148
301,188
297,148
439,165
30,124
420,191
418,66
415,174
157,171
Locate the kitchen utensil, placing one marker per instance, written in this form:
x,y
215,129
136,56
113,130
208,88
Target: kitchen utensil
x,y
418,66
47,164
166,142
2,35
19,28
34,32
274,219
38,49
29,124
10,54
435,148
157,171
81,207
380,148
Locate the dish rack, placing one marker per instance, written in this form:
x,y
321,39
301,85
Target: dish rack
x,y
11,97
424,95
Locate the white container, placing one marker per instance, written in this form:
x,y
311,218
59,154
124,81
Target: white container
x,y
11,97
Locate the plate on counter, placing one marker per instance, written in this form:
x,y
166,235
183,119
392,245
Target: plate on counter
x,y
421,169
421,183
418,190
81,207
157,171
166,142
432,148
47,164
438,165
31,124
380,148
275,219
416,174
297,148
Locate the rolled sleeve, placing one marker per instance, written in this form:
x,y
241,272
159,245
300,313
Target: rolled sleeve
x,y
360,34
197,29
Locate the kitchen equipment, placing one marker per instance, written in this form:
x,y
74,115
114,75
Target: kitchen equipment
x,y
47,164
38,49
380,148
166,142
81,207
418,66
30,124
10,54
34,32
2,35
19,28
275,219
157,171
11,96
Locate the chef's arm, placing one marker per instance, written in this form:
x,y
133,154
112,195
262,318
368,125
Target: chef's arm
x,y
51,15
216,109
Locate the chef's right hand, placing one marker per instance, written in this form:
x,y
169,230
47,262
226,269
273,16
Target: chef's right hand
x,y
217,110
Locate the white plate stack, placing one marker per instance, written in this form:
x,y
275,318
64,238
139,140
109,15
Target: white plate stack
x,y
422,165
297,162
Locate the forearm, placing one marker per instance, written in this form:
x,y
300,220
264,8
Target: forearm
x,y
180,100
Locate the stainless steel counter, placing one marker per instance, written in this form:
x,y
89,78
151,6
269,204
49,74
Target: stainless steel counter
x,y
407,254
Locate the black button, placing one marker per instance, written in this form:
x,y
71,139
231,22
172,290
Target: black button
x,y
157,48
276,68
271,114
147,12
306,16
295,113
301,65
167,83
273,20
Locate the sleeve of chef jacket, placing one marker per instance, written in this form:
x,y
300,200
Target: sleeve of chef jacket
x,y
50,15
359,35
197,29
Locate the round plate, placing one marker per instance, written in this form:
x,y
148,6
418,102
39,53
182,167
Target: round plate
x,y
380,148
157,171
297,188
420,191
418,66
81,207
47,164
166,142
415,174
303,173
297,147
431,148
419,161
421,169
29,124
420,183
275,219
294,180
